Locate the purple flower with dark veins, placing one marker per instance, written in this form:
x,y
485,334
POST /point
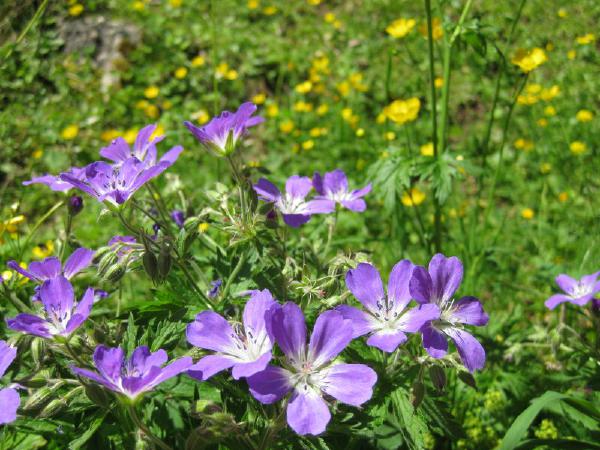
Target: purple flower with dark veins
x,y
385,318
221,135
61,315
309,372
131,377
144,149
116,183
578,292
55,182
438,285
9,397
245,347
292,205
49,268
334,186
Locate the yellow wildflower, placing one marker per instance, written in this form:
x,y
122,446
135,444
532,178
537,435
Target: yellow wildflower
x,y
550,110
584,115
381,118
578,147
549,93
529,60
70,132
151,91
360,132
175,3
545,168
287,126
322,109
562,13
308,145
253,4
303,106
198,61
203,227
355,80
201,116
269,10
563,197
549,46
413,197
151,111
329,17
110,135
542,122
403,111
130,135
524,144
314,2
316,132
347,114
427,149
37,153
390,136
304,87
343,88
572,54
44,250
259,99
438,82
436,29
139,6
159,131
400,27
533,88
586,39
527,213
272,110
527,99
141,104
167,104
76,10
181,73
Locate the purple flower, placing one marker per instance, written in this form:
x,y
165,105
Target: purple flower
x,y
309,372
61,315
51,267
116,183
386,318
178,217
144,149
438,286
334,186
578,292
293,206
214,290
9,397
55,182
246,348
142,372
220,136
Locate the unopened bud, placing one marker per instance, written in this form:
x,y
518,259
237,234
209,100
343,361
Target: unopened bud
x,y
75,205
164,261
150,265
42,396
115,273
38,350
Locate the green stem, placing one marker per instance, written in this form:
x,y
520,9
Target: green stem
x,y
37,225
234,274
67,233
73,355
136,420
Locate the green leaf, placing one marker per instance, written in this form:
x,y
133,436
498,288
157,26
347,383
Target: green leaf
x,y
92,427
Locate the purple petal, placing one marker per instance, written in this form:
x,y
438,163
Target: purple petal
x,y
388,341
210,365
289,330
210,331
320,206
30,324
295,220
9,399
172,370
566,283
134,385
80,259
109,361
57,296
446,275
583,300
399,282
357,193
434,342
95,377
357,205
350,383
266,190
52,181
318,183
470,311
171,156
46,269
298,187
421,286
81,312
255,312
470,350
270,385
142,359
117,151
247,369
7,356
331,335
365,283
334,182
361,324
307,413
17,268
556,300
414,319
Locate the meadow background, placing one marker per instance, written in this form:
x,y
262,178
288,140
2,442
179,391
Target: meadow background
x,y
518,200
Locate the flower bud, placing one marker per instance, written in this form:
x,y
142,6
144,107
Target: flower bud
x,y
75,205
38,350
150,264
42,396
115,273
164,261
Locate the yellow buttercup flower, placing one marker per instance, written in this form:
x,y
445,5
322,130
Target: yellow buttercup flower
x,y
70,132
44,250
322,109
304,87
438,82
110,135
584,115
403,111
181,72
130,135
381,118
303,106
390,136
413,197
287,126
203,227
360,132
562,13
542,122
355,80
563,197
343,88
427,149
167,104
151,92
138,6
198,61
400,27
528,60
313,2
436,29
572,54
586,39
527,213
272,110
533,88
549,93
329,17
527,99
578,147
75,10
550,110
259,99
201,116
151,111
545,168
37,153
159,131
524,144
308,145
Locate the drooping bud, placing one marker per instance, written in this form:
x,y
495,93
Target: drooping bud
x,y
75,205
164,260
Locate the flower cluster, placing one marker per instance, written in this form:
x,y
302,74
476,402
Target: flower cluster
x,y
577,292
9,397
